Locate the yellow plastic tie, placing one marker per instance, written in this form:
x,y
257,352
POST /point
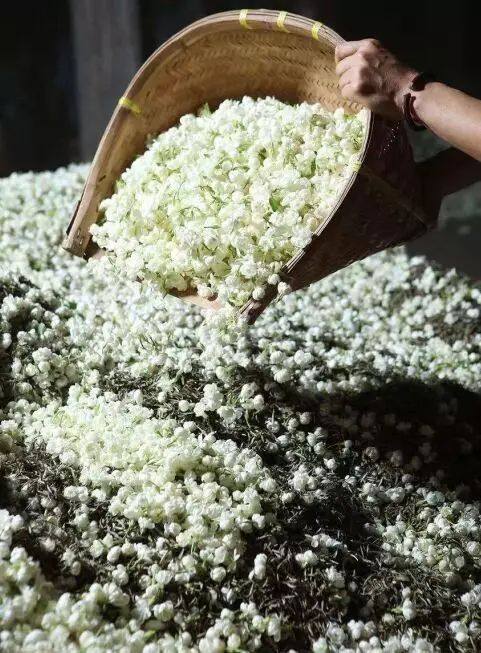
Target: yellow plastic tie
x,y
281,19
243,19
315,30
129,104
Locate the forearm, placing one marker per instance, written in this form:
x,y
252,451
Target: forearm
x,y
453,116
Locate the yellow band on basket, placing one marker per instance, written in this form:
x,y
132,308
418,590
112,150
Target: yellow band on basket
x,y
281,19
243,19
129,104
315,30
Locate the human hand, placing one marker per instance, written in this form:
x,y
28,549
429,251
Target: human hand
x,y
373,77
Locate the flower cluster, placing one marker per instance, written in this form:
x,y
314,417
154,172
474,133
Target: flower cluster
x,y
204,491
220,202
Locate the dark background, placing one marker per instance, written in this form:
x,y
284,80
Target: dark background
x,y
64,64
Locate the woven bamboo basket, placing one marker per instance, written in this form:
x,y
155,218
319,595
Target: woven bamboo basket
x,y
261,53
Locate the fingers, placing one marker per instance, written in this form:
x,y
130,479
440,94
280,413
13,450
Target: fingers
x,y
355,69
345,79
349,48
344,50
345,64
354,86
350,91
347,92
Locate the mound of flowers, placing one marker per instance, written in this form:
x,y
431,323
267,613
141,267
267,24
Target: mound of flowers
x,y
311,484
220,202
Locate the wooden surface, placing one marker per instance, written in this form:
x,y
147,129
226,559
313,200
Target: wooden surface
x,y
107,55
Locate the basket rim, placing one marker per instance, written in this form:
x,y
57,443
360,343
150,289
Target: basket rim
x,y
269,20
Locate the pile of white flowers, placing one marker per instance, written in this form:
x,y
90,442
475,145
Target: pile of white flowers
x,y
309,485
220,202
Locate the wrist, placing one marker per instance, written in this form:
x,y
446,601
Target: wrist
x,y
420,98
402,84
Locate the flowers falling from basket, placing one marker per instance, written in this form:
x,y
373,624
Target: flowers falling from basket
x,y
220,202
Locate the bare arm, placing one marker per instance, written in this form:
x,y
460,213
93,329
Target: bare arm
x,y
372,76
452,115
